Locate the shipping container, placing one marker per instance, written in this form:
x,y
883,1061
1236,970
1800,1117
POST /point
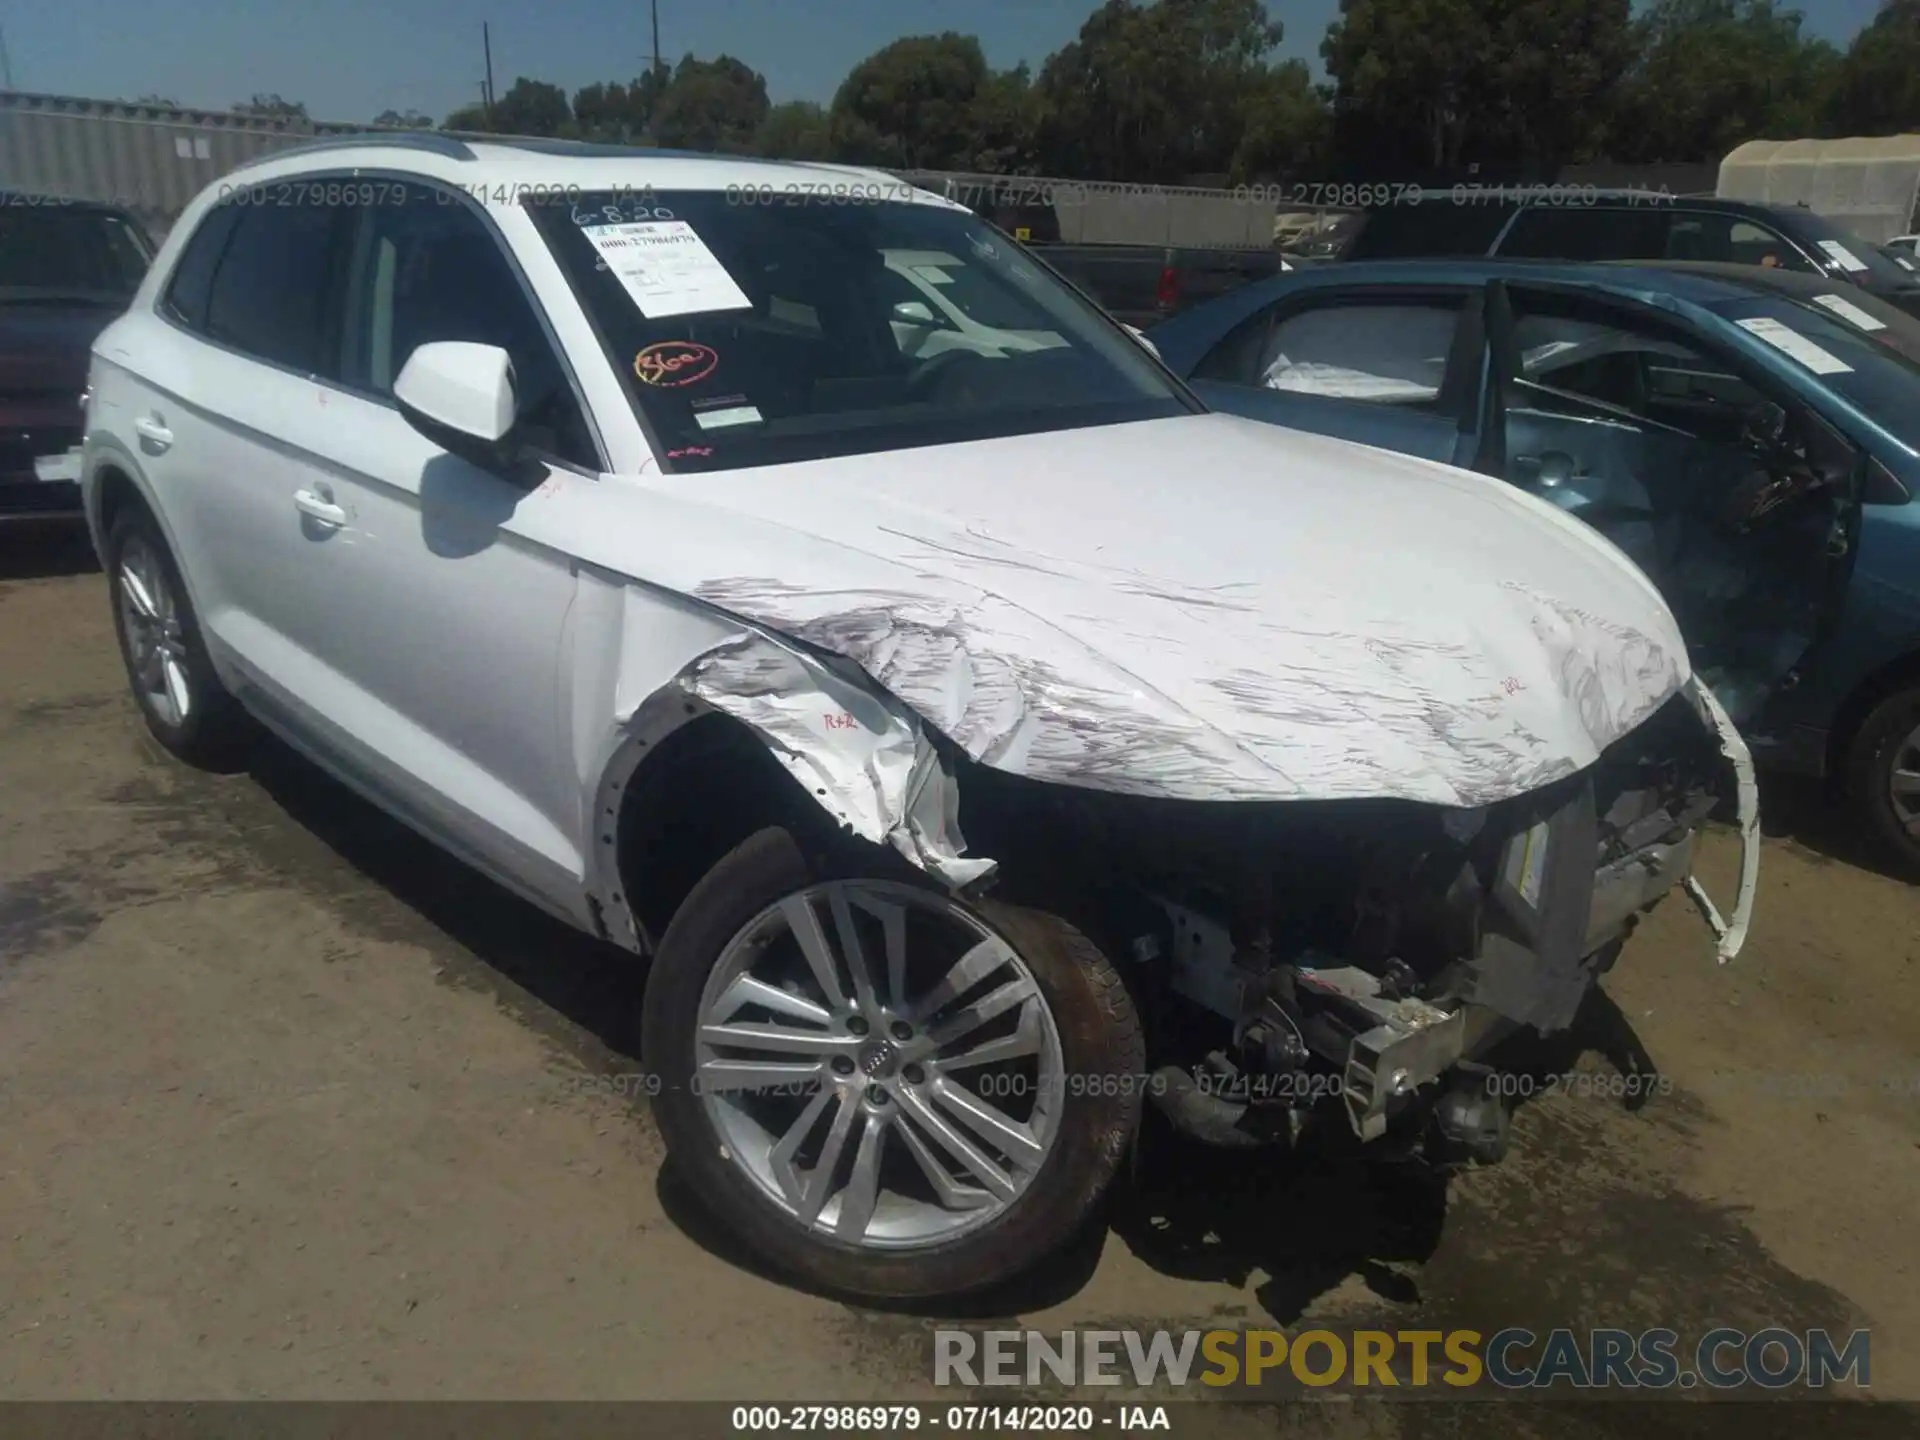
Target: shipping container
x,y
150,159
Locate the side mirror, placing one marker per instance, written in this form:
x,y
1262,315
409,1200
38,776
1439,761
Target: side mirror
x,y
1145,344
460,396
914,312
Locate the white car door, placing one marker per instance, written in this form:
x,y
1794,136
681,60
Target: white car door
x,y
437,627
212,380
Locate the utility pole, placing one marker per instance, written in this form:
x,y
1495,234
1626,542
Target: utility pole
x,y
656,38
6,61
486,44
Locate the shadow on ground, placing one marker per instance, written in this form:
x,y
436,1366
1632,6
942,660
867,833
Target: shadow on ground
x,y
594,986
1808,813
39,549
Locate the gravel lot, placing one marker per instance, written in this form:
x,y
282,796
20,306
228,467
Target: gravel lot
x,y
295,1107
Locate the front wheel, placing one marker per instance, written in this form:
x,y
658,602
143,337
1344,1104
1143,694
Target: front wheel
x,y
1883,775
880,1088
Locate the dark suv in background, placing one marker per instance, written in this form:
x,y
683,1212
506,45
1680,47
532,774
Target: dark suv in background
x,y
67,268
1573,223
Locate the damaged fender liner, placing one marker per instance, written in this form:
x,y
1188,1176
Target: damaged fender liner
x,y
864,758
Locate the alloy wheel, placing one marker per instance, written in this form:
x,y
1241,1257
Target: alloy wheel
x,y
880,1063
1903,782
156,643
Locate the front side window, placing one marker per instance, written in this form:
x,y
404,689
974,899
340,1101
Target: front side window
x,y
269,290
754,334
69,254
1730,240
1569,353
429,270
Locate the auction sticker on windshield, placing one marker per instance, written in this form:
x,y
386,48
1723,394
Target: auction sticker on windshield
x,y
1849,311
666,268
1842,256
1791,342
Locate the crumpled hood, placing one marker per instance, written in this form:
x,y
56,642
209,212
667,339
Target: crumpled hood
x,y
1198,608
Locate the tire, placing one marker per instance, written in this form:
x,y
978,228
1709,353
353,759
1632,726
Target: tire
x,y
1873,758
162,648
1100,1052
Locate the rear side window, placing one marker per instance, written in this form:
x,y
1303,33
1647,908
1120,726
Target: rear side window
x,y
1389,353
1578,232
270,286
192,283
1387,350
1436,226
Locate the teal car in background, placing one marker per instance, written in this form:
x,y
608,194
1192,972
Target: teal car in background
x,y
1751,437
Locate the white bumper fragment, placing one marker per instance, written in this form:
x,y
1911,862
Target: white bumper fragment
x,y
1731,933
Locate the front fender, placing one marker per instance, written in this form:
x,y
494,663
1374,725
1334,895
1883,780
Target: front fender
x,y
861,755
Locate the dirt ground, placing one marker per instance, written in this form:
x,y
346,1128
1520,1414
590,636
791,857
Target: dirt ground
x,y
293,1107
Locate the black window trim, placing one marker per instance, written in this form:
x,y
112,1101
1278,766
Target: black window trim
x,y
1460,381
336,253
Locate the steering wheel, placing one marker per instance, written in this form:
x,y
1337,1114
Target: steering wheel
x,y
1764,493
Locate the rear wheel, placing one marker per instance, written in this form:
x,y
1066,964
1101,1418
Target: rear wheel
x,y
880,1088
173,680
1883,775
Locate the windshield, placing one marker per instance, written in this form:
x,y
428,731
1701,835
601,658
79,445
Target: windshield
x,y
55,252
1877,370
1859,260
756,334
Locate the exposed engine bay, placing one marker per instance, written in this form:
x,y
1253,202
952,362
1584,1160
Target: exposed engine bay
x,y
1301,964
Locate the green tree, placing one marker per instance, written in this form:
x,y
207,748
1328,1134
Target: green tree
x,y
532,107
796,130
711,105
409,119
1877,86
1004,124
1155,92
1436,84
472,119
1288,127
913,103
1710,75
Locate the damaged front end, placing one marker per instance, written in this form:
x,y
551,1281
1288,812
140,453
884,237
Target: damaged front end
x,y
1349,963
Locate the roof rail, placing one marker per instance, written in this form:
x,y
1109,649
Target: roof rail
x,y
444,145
592,150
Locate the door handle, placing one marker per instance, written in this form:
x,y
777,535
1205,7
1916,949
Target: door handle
x,y
151,429
319,507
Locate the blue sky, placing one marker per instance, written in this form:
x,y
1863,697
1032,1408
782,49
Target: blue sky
x,y
349,59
